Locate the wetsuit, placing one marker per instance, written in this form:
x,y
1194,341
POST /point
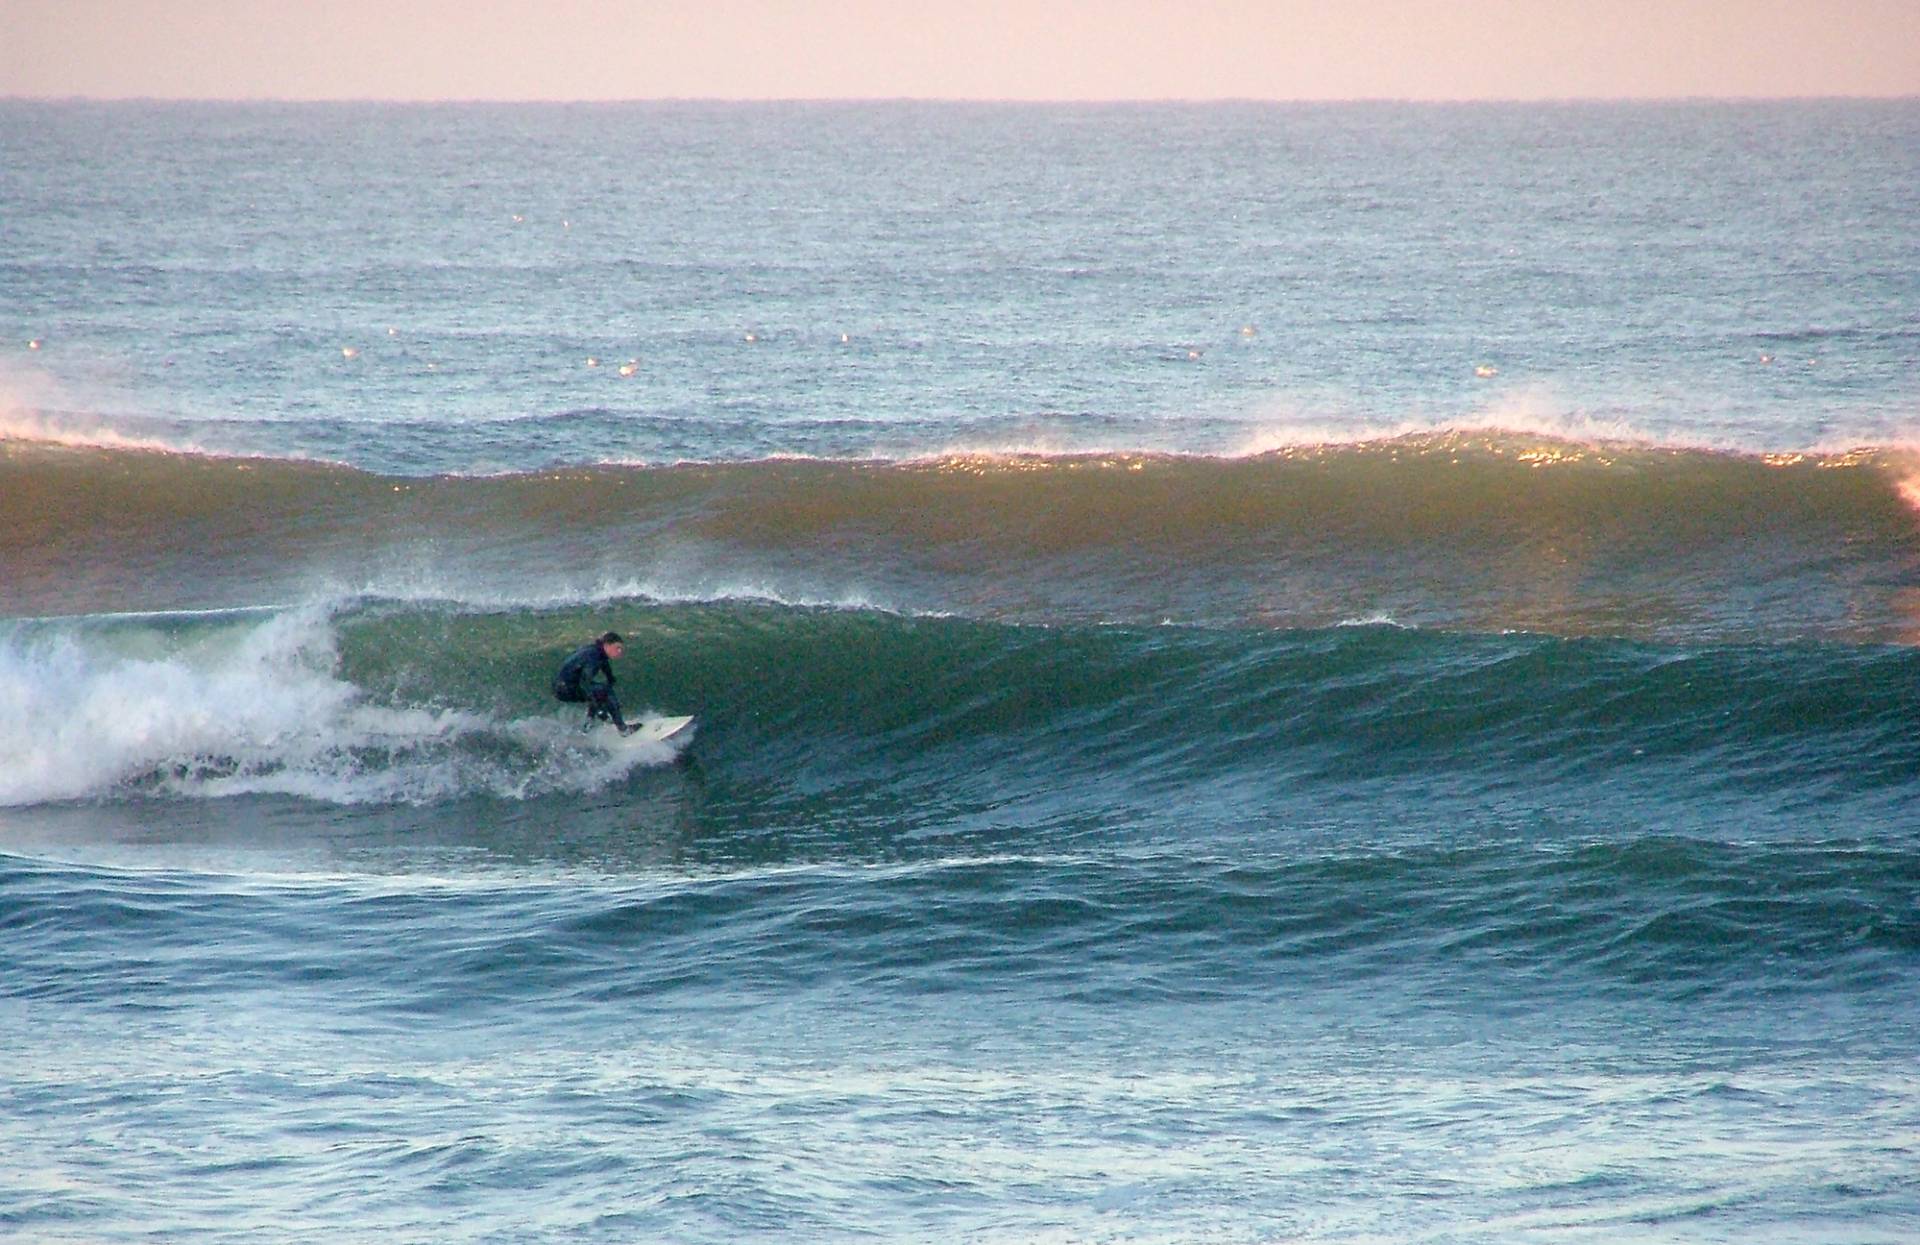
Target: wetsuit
x,y
587,678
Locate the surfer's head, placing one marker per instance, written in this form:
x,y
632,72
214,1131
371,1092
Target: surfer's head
x,y
612,645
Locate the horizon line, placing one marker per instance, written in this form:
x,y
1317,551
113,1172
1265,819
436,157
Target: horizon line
x,y
1035,101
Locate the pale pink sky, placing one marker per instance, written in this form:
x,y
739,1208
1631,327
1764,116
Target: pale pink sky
x,y
989,49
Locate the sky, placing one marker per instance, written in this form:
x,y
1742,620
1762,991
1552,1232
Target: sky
x,y
986,49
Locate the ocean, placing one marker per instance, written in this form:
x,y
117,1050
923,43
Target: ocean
x,y
1264,673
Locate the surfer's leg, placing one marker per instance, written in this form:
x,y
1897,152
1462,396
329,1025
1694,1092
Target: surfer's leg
x,y
567,694
606,706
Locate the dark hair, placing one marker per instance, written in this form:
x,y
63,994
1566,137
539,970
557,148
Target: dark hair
x,y
612,637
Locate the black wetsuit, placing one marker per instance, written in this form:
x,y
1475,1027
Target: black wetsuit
x,y
587,678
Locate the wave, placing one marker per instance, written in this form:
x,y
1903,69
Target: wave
x,y
1651,916
1817,334
33,411
255,703
917,719
1478,530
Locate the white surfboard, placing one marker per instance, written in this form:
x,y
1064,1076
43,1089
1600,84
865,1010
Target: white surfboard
x,y
652,731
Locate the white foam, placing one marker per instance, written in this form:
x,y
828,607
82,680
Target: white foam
x,y
1531,410
1378,618
431,583
668,589
27,401
38,409
253,704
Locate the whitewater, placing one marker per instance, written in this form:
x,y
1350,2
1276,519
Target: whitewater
x,y
1308,673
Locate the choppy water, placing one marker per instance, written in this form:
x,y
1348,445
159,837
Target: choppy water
x,y
1264,673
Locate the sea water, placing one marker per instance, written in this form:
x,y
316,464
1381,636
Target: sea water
x,y
1265,673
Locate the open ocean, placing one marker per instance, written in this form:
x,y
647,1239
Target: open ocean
x,y
1265,673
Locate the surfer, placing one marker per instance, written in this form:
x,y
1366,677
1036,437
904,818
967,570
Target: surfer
x,y
587,678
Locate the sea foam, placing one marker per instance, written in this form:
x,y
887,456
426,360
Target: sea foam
x,y
253,703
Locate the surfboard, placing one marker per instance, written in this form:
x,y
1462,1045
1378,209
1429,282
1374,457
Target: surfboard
x,y
652,731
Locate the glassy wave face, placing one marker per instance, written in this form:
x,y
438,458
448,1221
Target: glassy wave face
x,y
948,718
1261,673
